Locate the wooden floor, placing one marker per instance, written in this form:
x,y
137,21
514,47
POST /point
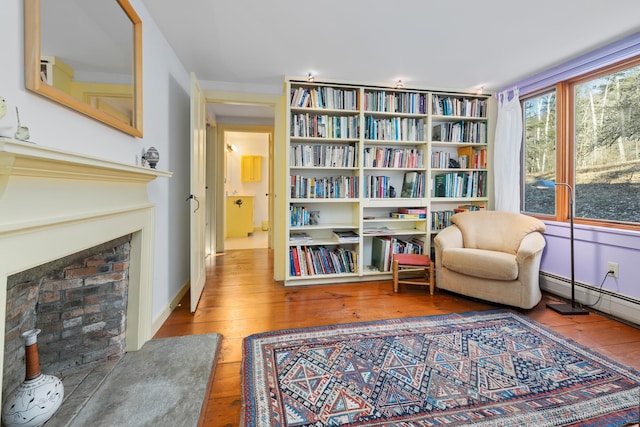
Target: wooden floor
x,y
241,298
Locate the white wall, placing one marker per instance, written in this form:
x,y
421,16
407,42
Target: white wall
x,y
166,126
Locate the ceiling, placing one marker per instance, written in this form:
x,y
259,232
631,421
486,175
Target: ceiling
x,y
453,44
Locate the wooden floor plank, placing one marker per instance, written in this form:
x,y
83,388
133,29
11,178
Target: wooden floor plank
x,y
240,298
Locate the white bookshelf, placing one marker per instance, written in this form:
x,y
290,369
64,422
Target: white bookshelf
x,y
350,149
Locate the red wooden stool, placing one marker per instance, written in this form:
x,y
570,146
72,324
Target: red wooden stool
x,y
413,262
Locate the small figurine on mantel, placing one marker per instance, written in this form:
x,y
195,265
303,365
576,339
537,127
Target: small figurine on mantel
x,y
151,157
22,133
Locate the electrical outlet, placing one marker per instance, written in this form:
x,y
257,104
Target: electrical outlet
x,y
612,269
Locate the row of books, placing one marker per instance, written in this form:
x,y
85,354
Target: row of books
x,y
467,158
322,155
468,107
442,219
386,157
441,159
324,97
378,187
460,184
473,132
383,248
333,187
310,260
395,102
394,129
324,126
300,216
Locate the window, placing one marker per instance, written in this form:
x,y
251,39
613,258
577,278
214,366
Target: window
x,y
585,132
606,134
539,153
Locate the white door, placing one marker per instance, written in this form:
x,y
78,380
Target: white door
x,y
197,198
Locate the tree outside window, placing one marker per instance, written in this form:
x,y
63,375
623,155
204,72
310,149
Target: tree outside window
x,y
539,154
607,146
600,158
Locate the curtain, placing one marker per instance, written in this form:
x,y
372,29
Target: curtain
x,y
506,148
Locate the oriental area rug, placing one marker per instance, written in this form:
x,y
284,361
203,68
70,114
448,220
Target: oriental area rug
x,y
492,368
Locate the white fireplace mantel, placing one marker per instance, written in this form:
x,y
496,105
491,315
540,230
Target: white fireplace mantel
x,y
55,203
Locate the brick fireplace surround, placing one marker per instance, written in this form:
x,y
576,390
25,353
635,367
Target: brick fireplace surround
x,y
55,203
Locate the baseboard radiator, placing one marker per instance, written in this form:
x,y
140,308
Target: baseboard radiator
x,y
612,303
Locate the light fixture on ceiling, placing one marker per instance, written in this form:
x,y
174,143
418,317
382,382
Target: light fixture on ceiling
x,y
311,78
399,85
480,91
232,148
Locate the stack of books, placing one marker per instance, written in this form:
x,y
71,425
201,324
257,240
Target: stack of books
x,y
346,236
409,213
299,237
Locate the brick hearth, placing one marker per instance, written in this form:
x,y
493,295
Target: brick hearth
x,y
79,302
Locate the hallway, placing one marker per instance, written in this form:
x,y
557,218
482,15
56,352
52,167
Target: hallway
x,y
256,240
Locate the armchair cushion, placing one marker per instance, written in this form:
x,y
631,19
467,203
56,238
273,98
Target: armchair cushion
x,y
495,231
481,263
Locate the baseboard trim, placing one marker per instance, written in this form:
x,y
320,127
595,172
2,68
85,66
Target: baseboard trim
x,y
159,321
614,304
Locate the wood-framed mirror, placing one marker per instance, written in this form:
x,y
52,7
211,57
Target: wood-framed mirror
x,y
87,55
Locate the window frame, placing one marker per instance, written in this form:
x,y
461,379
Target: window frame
x,y
565,143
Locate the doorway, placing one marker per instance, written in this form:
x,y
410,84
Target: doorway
x,y
246,187
241,173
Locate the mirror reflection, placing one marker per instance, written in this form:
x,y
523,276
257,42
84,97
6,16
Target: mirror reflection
x,y
88,57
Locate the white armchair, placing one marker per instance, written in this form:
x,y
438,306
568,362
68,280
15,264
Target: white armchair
x,y
491,255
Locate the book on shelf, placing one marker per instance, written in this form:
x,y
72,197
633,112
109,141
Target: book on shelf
x,y
377,230
422,211
409,184
398,215
295,262
346,236
304,267
468,208
380,253
413,185
465,157
300,237
439,188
